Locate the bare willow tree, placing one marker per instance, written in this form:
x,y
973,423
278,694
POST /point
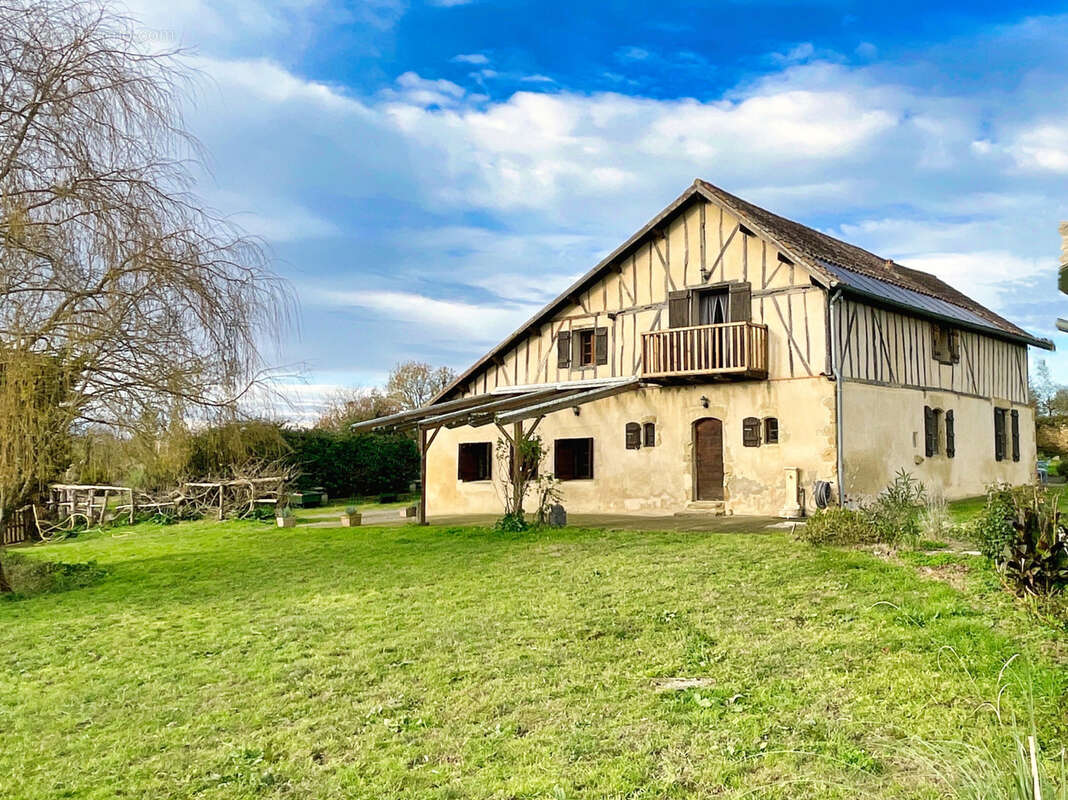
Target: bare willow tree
x,y
415,383
119,293
346,406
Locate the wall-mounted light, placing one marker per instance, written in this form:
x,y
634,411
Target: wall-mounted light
x,y
704,402
576,410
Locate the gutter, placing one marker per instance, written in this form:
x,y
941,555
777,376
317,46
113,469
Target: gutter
x,y
837,373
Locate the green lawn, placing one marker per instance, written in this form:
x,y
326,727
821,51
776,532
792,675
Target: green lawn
x,y
239,660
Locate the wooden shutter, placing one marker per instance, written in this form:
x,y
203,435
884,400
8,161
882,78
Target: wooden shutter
x,y
649,434
751,432
563,349
601,346
930,432
951,436
466,463
771,430
634,436
954,346
678,309
1015,435
999,434
563,460
741,303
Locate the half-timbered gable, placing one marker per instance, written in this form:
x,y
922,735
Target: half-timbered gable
x,y
696,246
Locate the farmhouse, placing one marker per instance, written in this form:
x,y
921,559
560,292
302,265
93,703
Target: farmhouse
x,y
729,360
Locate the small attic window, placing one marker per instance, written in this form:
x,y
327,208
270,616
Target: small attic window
x,y
945,344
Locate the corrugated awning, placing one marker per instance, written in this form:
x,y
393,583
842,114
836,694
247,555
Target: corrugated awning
x,y
502,406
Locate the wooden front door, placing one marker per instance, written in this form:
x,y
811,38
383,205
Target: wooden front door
x,y
708,459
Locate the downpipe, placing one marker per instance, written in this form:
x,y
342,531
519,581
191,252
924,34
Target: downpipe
x,y
837,373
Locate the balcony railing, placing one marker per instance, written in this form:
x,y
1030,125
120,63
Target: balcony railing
x,y
738,349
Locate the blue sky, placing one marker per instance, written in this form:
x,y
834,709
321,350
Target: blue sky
x,y
428,174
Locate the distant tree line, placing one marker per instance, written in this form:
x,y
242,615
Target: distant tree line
x,y
164,450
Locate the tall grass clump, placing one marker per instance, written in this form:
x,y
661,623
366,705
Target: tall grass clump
x,y
1011,765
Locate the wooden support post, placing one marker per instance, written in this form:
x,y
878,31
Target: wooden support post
x,y
220,502
517,465
132,506
422,476
424,445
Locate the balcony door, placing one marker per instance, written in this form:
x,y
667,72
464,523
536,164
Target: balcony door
x,y
713,308
708,459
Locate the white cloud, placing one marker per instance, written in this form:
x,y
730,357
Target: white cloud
x,y
477,324
796,54
962,185
1043,147
632,53
470,58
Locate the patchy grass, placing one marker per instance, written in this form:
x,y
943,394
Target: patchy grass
x,y
336,507
238,660
964,511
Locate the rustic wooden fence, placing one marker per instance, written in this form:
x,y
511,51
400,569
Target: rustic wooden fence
x,y
19,527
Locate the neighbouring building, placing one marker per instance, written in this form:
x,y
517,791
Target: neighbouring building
x,y
729,360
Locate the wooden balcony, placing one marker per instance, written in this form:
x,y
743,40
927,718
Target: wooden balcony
x,y
731,350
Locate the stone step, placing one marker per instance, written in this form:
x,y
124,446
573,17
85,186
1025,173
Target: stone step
x,y
703,508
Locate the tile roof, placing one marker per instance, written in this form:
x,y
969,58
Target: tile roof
x,y
827,251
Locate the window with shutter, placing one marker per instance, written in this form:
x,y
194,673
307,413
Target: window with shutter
x,y
951,436
563,349
751,432
474,461
573,459
649,430
601,346
999,434
771,430
589,347
945,344
634,436
1015,435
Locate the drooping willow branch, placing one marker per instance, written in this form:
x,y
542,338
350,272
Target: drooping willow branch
x,y
119,293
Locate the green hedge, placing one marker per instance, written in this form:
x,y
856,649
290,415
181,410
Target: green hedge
x,y
348,464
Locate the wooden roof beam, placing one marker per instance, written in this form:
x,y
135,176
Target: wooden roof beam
x,y
571,401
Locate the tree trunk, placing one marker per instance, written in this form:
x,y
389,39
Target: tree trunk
x,y
5,587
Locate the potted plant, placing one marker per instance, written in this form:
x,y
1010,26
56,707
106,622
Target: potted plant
x,y
351,518
286,518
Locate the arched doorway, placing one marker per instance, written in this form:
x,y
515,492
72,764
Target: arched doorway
x,y
708,459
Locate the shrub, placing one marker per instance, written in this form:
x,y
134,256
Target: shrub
x,y
837,526
29,576
1035,560
897,512
992,530
348,465
512,523
895,515
1020,530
